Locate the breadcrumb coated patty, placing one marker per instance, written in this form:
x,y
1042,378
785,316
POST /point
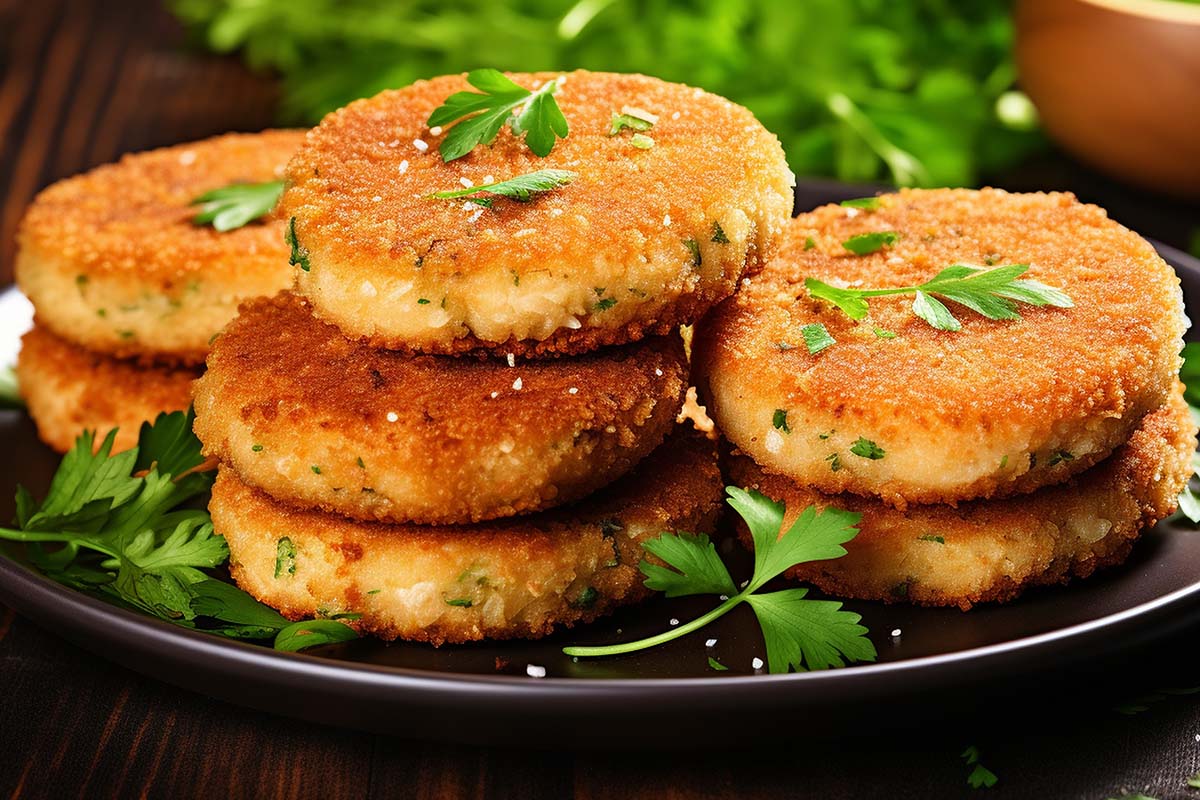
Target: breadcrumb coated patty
x,y
321,421
517,578
990,550
932,416
641,241
69,389
112,260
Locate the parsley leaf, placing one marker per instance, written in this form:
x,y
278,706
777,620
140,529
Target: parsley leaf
x,y
868,203
521,188
479,116
299,254
627,120
1189,373
312,632
115,525
980,777
799,633
816,337
867,449
992,293
237,205
867,243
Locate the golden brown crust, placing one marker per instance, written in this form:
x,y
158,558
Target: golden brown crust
x,y
534,278
517,578
991,550
321,421
112,260
1000,407
69,389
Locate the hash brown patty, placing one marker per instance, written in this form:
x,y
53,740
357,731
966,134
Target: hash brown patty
x,y
69,389
990,550
325,422
998,408
642,240
517,578
112,260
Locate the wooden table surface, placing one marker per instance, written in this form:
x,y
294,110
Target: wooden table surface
x,y
82,82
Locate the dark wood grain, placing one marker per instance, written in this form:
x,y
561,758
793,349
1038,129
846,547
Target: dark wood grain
x,y
82,82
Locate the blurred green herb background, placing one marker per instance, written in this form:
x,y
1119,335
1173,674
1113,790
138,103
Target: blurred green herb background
x,y
914,93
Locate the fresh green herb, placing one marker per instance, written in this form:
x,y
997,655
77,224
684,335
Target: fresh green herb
x,y
478,116
880,333
257,448
816,337
10,390
285,557
779,421
117,526
421,301
1194,781
375,591
824,436
867,203
360,462
929,537
316,470
1189,373
992,293
980,777
718,234
605,304
312,632
521,188
1060,457
237,205
717,665
627,120
586,599
800,633
641,141
299,255
809,243
461,602
694,248
835,462
867,449
867,243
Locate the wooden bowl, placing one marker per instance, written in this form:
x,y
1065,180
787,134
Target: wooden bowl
x,y
1117,83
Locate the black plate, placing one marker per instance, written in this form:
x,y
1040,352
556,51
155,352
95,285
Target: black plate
x,y
942,659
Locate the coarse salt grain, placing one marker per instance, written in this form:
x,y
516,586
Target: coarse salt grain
x,y
658,373
394,143
895,633
489,179
376,198
495,395
851,212
674,621
420,145
556,212
773,442
187,157
475,217
392,416
436,130
757,663
710,643
572,390
404,166
517,384
675,115
466,182
534,671
667,220
511,358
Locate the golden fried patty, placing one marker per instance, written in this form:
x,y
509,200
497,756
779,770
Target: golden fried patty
x,y
69,389
518,578
997,408
990,550
322,421
112,260
642,240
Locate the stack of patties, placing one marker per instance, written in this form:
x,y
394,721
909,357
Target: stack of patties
x,y
1013,451
128,290
462,425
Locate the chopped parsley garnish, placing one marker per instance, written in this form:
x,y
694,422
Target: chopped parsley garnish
x,y
929,537
779,421
867,449
285,557
237,205
1194,781
816,337
880,333
299,255
586,599
868,203
717,665
605,304
992,293
1060,457
641,141
522,188
478,116
257,448
835,462
694,248
118,526
421,301
800,633
626,120
867,243
809,243
980,777
718,234
1189,373
461,602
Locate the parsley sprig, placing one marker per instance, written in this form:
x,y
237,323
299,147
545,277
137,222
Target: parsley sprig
x,y
236,205
116,526
522,188
993,293
479,116
1189,373
800,633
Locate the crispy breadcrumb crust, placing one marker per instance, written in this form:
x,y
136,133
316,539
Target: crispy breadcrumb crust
x,y
998,408
991,550
112,260
69,389
325,422
517,578
642,241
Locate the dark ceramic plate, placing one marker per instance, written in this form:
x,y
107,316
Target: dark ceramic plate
x,y
942,660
